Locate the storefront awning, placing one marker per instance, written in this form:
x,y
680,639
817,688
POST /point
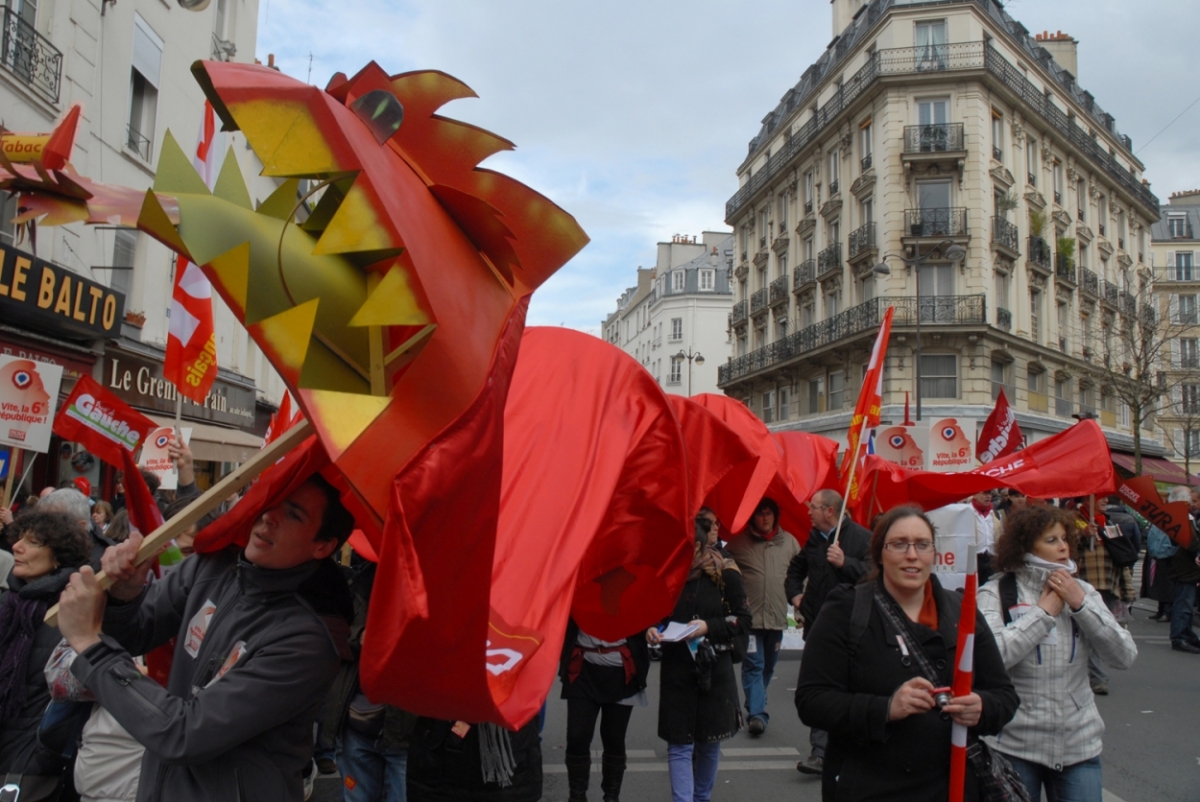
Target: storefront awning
x,y
215,443
1162,470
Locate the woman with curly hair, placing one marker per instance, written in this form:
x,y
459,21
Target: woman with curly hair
x,y
48,549
1047,623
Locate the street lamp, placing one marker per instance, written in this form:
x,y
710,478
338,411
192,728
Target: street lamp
x,y
955,253
689,356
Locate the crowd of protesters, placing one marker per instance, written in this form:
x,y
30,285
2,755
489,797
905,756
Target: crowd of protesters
x,y
146,691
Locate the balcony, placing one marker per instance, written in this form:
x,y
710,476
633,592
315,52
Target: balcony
x,y
944,58
857,321
997,154
1005,235
833,187
935,138
804,273
1089,282
1064,270
1180,272
778,291
758,301
137,143
1003,319
741,311
1110,292
1127,303
866,162
808,206
942,222
1039,253
30,57
862,241
829,260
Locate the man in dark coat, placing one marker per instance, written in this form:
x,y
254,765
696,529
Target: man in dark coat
x,y
1183,567
821,566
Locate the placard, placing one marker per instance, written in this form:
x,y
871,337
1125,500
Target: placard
x,y
28,394
951,445
955,530
904,445
156,457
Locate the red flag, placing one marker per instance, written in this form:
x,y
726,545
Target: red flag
x,y
191,360
100,422
281,421
1000,435
964,672
1142,494
870,398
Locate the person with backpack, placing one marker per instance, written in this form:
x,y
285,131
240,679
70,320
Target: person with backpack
x,y
1047,624
1156,585
876,661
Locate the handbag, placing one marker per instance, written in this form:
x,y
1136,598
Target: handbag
x,y
998,780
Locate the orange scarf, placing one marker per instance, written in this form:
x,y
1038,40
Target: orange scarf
x,y
928,616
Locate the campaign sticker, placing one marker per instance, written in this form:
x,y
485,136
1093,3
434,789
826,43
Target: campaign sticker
x,y
235,654
198,627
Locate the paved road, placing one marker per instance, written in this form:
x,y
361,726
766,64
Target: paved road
x,y
1151,751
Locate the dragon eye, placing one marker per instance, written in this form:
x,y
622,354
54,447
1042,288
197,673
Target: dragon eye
x,y
382,113
896,440
948,432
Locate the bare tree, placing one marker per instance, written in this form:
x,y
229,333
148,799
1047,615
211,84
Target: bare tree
x,y
1180,422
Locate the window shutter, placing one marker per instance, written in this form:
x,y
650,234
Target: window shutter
x,y
1170,261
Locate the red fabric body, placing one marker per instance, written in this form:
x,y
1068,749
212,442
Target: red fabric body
x,y
1000,434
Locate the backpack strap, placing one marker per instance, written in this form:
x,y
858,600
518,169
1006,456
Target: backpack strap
x,y
860,616
1008,595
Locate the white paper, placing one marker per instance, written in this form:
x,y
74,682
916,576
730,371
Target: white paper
x,y
676,631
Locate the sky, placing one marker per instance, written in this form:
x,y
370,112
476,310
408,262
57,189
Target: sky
x,y
633,115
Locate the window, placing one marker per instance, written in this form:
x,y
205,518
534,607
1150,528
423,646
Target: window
x,y
742,345
676,374
768,406
997,136
1031,160
781,328
1183,266
676,329
707,280
1058,182
808,315
930,39
1193,442
1083,255
866,289
808,192
782,265
1081,199
781,215
1188,355
1002,283
1186,310
933,195
763,227
816,395
1000,380
1178,226
124,248
678,279
867,211
1190,399
785,408
1062,398
835,171
1063,326
837,390
1033,379
939,376
143,88
832,304
936,282
866,145
1035,316
932,116
835,232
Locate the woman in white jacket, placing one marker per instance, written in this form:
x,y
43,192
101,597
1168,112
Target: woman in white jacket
x,y
1045,637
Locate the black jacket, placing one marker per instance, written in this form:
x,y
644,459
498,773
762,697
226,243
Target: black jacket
x,y
875,759
235,721
20,752
1181,566
443,767
1119,517
822,576
685,713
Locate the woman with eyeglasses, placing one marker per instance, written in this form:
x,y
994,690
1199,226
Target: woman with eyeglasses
x,y
1047,623
877,666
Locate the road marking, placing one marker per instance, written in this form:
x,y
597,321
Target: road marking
x,y
1109,796
634,754
766,751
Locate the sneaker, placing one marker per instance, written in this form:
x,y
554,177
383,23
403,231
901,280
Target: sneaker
x,y
1100,689
811,765
309,779
1177,645
757,726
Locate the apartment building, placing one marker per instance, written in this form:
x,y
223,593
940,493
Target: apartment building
x,y
675,320
925,131
129,65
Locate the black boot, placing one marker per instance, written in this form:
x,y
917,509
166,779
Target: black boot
x,y
612,769
578,769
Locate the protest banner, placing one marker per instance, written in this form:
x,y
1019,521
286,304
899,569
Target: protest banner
x,y
28,390
100,422
156,457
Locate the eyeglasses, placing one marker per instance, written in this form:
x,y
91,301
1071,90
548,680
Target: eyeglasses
x,y
902,546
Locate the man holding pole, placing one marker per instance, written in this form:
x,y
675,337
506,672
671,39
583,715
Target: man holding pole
x,y
260,633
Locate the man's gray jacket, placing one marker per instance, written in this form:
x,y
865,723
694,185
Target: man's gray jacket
x,y
255,653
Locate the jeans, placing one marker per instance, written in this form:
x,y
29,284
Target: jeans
x,y
819,741
692,780
1096,672
369,772
1182,605
1079,782
757,669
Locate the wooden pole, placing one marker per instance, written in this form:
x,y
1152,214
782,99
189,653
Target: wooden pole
x,y
209,500
13,453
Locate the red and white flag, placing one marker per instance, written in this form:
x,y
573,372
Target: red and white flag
x,y
1000,435
191,361
281,421
870,398
964,675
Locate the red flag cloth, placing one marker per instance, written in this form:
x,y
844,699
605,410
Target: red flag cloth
x,y
281,421
590,517
1074,462
964,673
808,463
870,397
1000,435
723,467
100,422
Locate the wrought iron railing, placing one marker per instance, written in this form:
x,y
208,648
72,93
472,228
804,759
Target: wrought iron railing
x,y
1111,292
741,311
805,273
137,143
962,56
758,301
866,162
833,187
829,259
30,56
808,207
1039,252
862,239
1089,282
1003,318
997,154
779,290
857,320
939,222
934,138
1006,234
1064,268
1127,303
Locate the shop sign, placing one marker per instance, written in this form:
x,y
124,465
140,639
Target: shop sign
x,y
48,297
139,382
73,366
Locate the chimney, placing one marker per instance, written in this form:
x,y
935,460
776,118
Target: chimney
x,y
1063,47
